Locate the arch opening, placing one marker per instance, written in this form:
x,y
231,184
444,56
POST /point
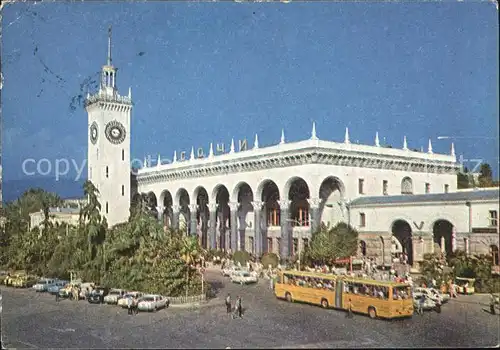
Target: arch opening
x,y
244,215
299,194
331,207
270,196
443,232
223,217
401,231
167,213
202,216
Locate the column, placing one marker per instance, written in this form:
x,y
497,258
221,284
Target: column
x,y
235,236
257,232
159,215
176,209
285,231
213,226
314,211
443,245
193,210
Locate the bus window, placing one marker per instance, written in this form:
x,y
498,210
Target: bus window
x,y
400,293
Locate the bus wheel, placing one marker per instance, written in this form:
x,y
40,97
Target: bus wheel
x,y
288,297
372,313
324,303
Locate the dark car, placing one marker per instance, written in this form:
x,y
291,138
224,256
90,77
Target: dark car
x,y
97,295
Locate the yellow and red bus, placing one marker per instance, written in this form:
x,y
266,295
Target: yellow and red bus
x,y
373,298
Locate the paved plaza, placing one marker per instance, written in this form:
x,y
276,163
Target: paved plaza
x,y
32,320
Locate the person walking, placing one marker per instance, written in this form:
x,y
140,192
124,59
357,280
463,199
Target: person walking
x,y
228,304
135,305
237,308
492,304
420,305
57,297
129,305
349,309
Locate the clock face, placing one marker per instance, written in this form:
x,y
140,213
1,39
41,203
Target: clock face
x,y
94,133
115,132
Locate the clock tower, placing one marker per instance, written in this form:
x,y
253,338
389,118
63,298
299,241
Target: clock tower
x,y
108,154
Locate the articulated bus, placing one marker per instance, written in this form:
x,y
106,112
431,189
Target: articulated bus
x,y
374,298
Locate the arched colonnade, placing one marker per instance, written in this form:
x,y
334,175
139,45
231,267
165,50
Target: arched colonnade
x,y
244,213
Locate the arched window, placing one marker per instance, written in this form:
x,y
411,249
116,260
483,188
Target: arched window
x,y
494,254
406,186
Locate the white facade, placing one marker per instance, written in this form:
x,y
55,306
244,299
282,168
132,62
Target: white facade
x,y
68,216
330,175
109,145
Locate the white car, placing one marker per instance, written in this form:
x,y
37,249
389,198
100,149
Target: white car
x,y
243,277
123,302
433,294
113,296
228,271
428,304
44,284
152,302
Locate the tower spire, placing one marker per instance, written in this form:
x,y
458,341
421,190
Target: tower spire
x,y
109,45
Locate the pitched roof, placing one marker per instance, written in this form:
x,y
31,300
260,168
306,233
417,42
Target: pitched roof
x,y
432,197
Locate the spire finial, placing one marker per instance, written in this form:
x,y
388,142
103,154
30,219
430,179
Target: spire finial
x,y
192,153
313,132
256,142
231,150
145,164
377,141
109,45
405,144
429,150
346,138
452,150
211,151
282,141
175,157
130,92
158,162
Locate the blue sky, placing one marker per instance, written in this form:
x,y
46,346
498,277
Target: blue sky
x,y
207,72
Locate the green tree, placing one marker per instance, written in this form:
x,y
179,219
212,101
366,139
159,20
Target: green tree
x,y
485,178
464,179
329,244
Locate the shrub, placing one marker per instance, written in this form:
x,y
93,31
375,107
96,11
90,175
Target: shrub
x,y
241,257
269,259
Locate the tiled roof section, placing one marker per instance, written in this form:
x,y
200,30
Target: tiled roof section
x,y
433,197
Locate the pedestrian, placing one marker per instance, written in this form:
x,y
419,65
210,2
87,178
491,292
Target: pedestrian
x,y
492,304
129,305
135,305
239,307
420,305
228,304
349,309
57,297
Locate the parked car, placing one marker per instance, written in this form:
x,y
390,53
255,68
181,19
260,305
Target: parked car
x,y
56,286
428,303
228,271
152,302
43,284
243,277
23,281
113,296
97,295
123,302
433,294
85,289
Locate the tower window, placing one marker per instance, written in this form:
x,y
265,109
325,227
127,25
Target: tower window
x,y
427,187
361,183
123,154
123,190
107,172
446,188
384,187
106,207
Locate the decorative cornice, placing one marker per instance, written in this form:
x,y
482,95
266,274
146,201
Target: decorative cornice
x,y
433,203
254,161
